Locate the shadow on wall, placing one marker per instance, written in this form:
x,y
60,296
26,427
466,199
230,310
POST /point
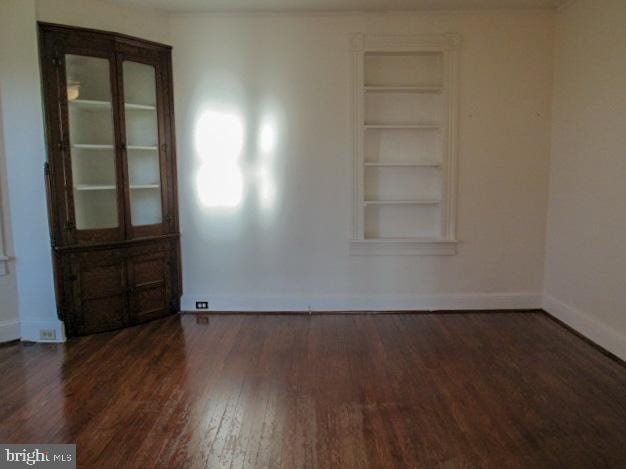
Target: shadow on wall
x,y
4,212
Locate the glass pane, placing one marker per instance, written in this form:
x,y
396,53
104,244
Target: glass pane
x,y
92,141
142,143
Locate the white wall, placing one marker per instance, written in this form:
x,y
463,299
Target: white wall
x,y
9,318
291,73
24,153
586,243
95,14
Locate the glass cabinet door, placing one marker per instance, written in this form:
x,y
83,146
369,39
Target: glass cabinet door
x,y
142,143
91,142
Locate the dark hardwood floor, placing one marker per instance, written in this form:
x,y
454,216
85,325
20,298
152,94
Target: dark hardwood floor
x,y
408,390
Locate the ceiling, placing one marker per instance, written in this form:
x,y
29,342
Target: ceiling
x,y
191,6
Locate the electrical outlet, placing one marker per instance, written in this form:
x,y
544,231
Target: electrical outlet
x,y
47,334
202,305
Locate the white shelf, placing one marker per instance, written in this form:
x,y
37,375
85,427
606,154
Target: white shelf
x,y
94,187
402,202
106,187
145,186
407,240
142,147
403,246
139,107
88,146
90,104
402,165
94,105
424,126
405,89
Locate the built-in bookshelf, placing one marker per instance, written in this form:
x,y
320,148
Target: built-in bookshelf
x,y
110,177
404,159
93,153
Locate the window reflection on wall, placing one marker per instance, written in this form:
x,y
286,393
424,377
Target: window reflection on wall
x,y
223,178
265,176
219,143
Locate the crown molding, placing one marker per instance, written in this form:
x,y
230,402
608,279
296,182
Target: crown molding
x,y
353,13
373,42
566,5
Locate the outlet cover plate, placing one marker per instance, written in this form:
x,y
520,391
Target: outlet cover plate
x,y
47,334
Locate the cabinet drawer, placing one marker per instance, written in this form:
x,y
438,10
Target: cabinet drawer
x,y
151,277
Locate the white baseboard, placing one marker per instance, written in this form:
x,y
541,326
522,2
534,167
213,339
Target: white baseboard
x,y
9,330
584,323
30,330
603,335
456,301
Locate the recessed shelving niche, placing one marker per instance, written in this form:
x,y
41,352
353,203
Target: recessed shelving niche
x,y
403,108
404,167
403,68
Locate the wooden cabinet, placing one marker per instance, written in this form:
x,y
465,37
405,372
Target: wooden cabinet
x,y
111,177
112,287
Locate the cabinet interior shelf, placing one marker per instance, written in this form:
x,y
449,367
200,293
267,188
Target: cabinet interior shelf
x,y
424,126
402,202
142,147
108,187
91,104
402,165
139,107
89,146
94,105
94,187
405,89
144,186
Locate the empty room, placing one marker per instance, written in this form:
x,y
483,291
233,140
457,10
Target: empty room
x,y
313,233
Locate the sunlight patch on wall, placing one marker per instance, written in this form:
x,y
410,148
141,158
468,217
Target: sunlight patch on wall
x,y
235,168
266,185
219,141
267,138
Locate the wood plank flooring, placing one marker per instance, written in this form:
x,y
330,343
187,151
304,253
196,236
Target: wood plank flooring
x,y
498,390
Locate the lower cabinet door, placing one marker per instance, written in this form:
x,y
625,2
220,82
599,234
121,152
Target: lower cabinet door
x,y
108,289
150,275
99,291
